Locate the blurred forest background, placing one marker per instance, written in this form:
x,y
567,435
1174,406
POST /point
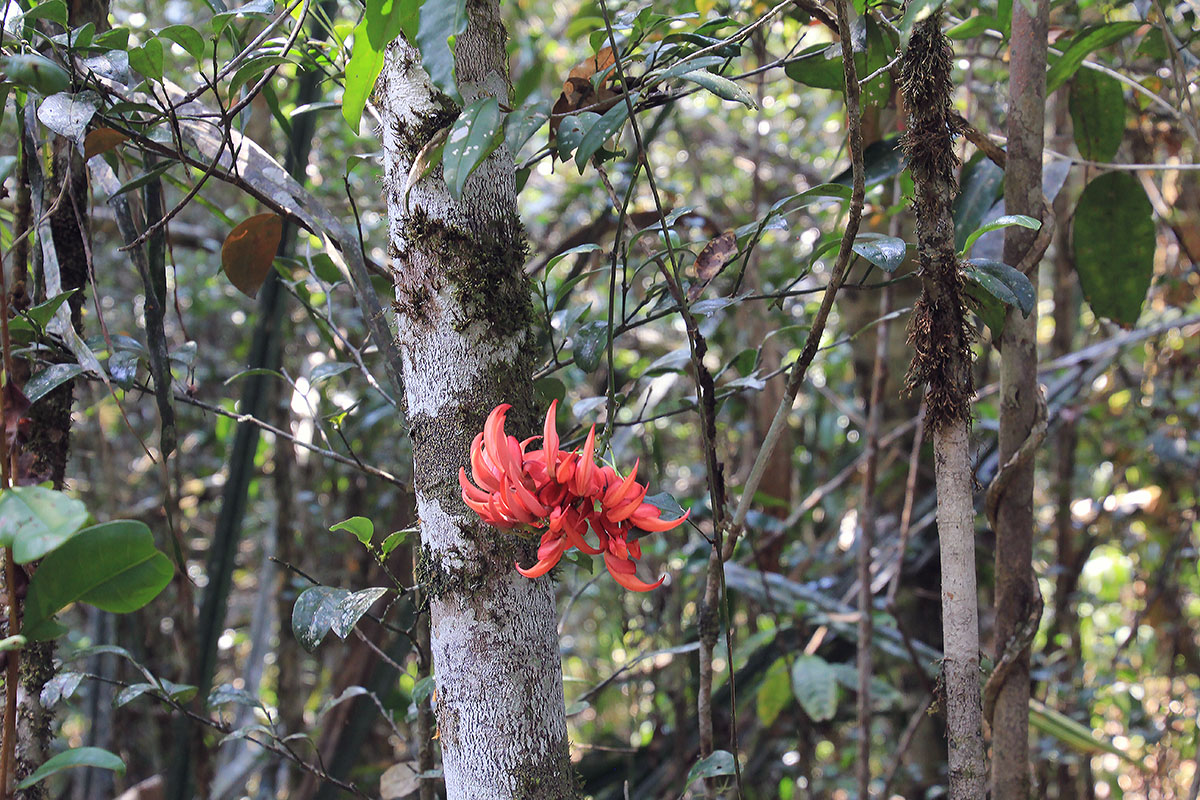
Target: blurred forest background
x,y
240,405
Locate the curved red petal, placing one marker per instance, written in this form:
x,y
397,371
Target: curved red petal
x,y
550,438
635,584
644,520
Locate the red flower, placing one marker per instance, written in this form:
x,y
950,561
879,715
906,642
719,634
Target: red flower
x,y
564,494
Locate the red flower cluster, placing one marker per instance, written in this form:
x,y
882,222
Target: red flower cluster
x,y
564,493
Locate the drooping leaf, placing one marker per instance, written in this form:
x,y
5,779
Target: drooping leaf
x,y
330,369
362,528
666,503
721,86
50,379
314,614
715,765
1097,105
589,344
387,19
571,131
1084,44
423,689
1113,240
366,62
440,22
814,683
113,566
1007,284
78,757
352,608
982,185
249,250
35,520
885,252
473,137
394,540
349,693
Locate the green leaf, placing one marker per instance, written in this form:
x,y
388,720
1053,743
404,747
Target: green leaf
x,y
53,10
148,59
314,613
589,345
362,528
228,693
982,186
885,252
665,503
36,72
394,540
387,19
1072,733
473,137
571,130
113,566
774,693
721,86
599,132
330,369
17,642
423,689
440,21
252,68
521,125
186,37
50,379
814,683
1097,106
971,27
79,757
914,12
1113,240
366,62
42,313
61,687
35,520
1001,222
715,765
1084,44
1007,284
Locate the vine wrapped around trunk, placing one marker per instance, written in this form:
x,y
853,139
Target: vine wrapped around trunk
x,y
465,318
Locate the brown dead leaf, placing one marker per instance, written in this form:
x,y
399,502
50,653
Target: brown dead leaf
x,y
101,140
249,250
713,258
579,93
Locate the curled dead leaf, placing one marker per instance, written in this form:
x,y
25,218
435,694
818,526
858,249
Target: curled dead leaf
x,y
249,250
579,93
713,258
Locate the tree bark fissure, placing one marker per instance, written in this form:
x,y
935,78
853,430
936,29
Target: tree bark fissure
x,y
464,313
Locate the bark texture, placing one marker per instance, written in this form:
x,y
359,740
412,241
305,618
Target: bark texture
x,y
942,362
465,311
1018,405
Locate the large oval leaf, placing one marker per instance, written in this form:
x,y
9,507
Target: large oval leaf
x,y
35,520
474,135
815,685
608,124
1113,241
113,566
715,765
1097,106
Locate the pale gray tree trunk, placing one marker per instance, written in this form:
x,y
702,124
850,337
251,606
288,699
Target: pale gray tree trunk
x,y
465,329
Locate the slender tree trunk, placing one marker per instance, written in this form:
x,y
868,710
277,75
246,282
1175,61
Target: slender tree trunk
x,y
942,362
465,328
1015,582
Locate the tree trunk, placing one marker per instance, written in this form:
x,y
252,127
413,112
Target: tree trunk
x,y
942,362
465,319
1015,585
